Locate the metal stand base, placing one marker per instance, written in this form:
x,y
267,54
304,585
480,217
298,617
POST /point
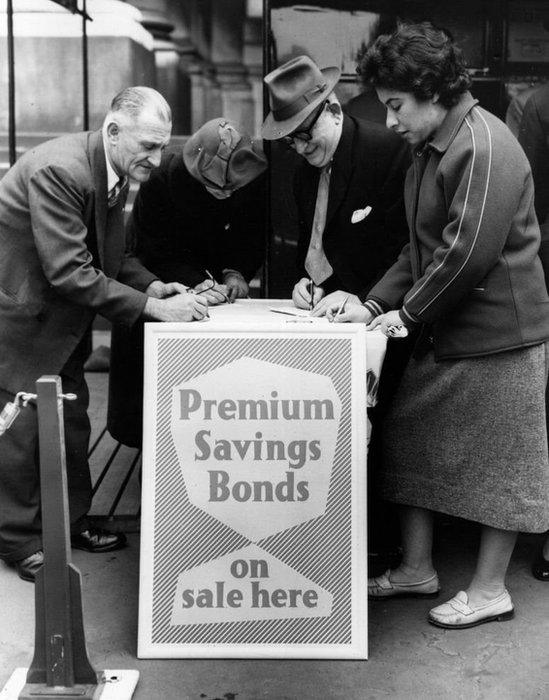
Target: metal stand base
x,y
112,685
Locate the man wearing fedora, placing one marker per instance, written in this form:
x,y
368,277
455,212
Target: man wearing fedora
x,y
348,190
199,221
352,226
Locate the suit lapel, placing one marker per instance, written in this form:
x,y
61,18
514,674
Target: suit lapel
x,y
96,154
342,169
310,187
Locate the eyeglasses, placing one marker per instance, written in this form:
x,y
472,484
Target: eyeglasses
x,y
304,134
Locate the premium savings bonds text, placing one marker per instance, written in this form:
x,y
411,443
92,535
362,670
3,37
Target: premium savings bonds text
x,y
296,453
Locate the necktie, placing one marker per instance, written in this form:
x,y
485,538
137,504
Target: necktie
x,y
316,263
114,194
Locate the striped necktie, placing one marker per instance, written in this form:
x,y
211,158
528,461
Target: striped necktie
x,y
114,194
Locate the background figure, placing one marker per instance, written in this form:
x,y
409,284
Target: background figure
x,y
63,260
533,137
348,190
466,432
201,213
366,106
513,115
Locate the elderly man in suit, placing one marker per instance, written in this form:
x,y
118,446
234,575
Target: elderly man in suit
x,y
348,190
64,260
201,213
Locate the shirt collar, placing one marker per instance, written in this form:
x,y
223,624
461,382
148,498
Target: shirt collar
x,y
444,135
338,126
112,176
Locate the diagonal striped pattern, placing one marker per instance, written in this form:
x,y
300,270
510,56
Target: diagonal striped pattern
x,y
186,537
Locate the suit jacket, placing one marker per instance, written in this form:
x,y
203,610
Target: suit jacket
x,y
61,252
533,136
180,230
368,169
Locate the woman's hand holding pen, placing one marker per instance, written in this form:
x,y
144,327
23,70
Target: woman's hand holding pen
x,y
305,294
339,297
345,312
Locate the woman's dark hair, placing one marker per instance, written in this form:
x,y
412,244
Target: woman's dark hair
x,y
416,58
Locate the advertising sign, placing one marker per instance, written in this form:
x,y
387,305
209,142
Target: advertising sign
x,y
254,492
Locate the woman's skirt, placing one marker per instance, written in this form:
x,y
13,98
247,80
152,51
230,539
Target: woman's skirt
x,y
468,438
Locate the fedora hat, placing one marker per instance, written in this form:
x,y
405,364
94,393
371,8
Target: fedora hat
x,y
222,156
295,89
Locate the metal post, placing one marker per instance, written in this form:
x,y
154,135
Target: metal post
x,y
85,72
60,666
11,84
265,282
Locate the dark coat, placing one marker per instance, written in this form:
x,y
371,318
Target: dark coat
x,y
180,231
63,258
534,138
368,169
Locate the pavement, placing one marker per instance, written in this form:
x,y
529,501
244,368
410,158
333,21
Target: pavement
x,y
408,658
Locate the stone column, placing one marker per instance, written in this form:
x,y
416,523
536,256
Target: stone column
x,y
155,20
48,63
253,59
227,56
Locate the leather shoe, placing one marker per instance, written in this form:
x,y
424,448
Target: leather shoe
x,y
458,614
382,587
28,567
97,540
540,567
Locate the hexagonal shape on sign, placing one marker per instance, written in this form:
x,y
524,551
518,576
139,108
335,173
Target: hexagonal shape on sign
x,y
256,443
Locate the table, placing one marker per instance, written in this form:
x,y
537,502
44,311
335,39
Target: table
x,y
253,535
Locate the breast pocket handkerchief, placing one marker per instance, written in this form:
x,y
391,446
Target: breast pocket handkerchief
x,y
360,214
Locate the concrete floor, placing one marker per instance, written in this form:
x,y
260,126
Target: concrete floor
x,y
408,657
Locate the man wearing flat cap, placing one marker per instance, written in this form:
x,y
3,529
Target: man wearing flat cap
x,y
199,220
348,190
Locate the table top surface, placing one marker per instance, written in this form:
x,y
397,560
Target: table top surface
x,y
261,311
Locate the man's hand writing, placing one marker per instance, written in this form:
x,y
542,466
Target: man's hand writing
x,y
179,307
301,295
339,297
237,287
213,292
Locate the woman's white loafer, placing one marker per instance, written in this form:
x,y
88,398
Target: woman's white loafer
x,y
458,614
383,587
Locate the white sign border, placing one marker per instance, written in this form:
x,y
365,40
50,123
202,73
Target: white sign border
x,y
358,648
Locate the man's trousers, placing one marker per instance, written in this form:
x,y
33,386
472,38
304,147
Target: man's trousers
x,y
20,521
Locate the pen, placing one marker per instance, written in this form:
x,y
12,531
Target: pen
x,y
311,287
216,283
342,306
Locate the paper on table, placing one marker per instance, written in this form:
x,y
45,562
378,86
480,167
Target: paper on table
x,y
290,311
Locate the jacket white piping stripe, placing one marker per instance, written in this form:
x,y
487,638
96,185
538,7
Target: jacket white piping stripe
x,y
463,215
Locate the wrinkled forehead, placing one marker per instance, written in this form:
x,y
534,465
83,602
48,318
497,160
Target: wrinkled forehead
x,y
149,126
